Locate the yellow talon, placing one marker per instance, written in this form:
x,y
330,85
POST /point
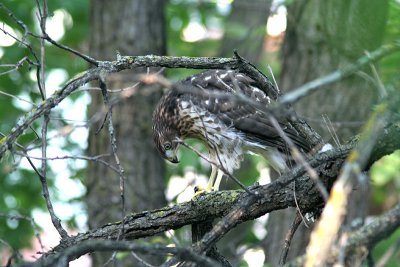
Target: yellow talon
x,y
213,182
198,190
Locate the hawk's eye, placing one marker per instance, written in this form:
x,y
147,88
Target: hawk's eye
x,y
167,146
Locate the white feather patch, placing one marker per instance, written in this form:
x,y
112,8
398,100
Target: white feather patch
x,y
184,104
325,148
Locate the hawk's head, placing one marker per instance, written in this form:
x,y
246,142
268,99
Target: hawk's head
x,y
166,143
165,134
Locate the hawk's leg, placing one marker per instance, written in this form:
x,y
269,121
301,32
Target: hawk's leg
x,y
211,181
199,190
218,180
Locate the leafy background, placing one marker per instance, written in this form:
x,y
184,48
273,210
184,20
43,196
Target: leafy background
x,y
20,189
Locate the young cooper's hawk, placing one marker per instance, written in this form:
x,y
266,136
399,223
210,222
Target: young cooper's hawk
x,y
206,107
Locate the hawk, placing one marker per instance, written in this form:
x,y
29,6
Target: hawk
x,y
206,106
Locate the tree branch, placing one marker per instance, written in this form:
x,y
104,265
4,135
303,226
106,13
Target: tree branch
x,y
326,232
88,246
340,74
130,62
381,228
108,67
276,195
367,236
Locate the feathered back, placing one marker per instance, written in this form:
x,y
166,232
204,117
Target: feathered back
x,y
235,100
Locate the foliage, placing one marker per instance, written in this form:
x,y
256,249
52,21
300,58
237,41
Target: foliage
x,y
20,189
392,243
385,172
390,66
386,180
19,184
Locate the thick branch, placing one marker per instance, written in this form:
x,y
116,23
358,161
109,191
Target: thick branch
x,y
276,195
379,229
367,236
62,259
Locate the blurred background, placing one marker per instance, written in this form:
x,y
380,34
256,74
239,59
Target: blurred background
x,y
296,41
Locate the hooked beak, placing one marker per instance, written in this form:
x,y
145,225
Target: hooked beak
x,y
171,156
174,160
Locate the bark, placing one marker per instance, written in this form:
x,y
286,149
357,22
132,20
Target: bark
x,y
367,236
131,27
322,36
276,195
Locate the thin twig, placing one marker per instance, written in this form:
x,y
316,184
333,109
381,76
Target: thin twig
x,y
340,74
388,254
18,21
43,177
297,205
219,166
96,158
16,66
22,42
15,254
35,228
42,20
378,81
142,261
289,236
334,123
114,148
299,158
18,98
71,50
331,130
273,79
8,141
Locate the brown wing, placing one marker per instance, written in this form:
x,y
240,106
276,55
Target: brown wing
x,y
212,91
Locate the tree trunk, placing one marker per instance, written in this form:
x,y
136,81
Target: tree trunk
x,y
321,37
132,27
245,29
